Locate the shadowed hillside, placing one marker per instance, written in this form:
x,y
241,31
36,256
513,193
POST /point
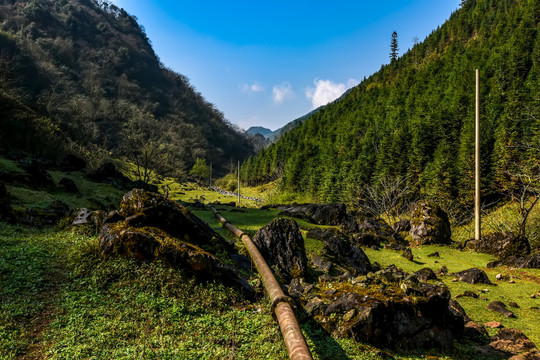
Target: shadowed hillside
x,y
81,75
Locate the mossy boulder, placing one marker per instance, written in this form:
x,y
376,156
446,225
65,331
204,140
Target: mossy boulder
x,y
389,309
282,246
150,227
429,224
143,208
322,214
501,244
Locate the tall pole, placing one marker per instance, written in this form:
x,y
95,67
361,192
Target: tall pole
x,y
477,222
210,180
238,183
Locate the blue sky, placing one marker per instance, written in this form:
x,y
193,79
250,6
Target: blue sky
x,y
266,63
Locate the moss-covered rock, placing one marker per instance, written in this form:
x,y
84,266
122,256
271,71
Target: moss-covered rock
x,y
143,208
429,224
501,244
389,308
282,246
150,227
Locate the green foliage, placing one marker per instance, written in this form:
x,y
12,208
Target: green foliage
x,y
200,170
229,182
414,118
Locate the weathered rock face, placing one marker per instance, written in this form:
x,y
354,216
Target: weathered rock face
x,y
473,276
150,227
514,342
429,224
322,214
282,246
526,262
142,208
379,309
342,250
72,163
502,245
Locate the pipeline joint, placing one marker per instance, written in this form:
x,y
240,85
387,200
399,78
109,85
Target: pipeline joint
x,y
279,299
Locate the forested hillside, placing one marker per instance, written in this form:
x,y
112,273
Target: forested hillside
x,y
414,119
81,76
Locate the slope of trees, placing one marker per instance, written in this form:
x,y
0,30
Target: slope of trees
x,y
414,118
81,75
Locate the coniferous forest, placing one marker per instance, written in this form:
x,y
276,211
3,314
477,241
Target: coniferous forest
x,y
413,120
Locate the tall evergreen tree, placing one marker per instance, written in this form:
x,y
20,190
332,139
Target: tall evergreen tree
x,y
394,47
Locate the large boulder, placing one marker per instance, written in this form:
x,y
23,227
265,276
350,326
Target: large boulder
x,y
143,208
150,227
473,276
526,262
501,244
341,250
429,224
514,342
322,214
282,246
389,309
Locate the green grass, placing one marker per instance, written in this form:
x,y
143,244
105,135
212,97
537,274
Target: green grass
x,y
9,166
527,283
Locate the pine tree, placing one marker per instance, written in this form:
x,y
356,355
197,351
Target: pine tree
x,y
394,47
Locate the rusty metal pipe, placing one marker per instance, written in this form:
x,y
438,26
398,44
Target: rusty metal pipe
x,y
280,303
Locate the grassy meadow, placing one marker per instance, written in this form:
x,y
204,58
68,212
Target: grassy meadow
x,y
59,299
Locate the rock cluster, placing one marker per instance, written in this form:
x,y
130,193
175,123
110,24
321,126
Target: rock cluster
x,y
151,227
531,262
501,244
389,308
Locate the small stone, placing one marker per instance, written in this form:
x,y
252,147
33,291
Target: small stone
x,y
512,281
493,324
407,254
533,296
513,304
483,298
485,290
455,280
330,292
435,254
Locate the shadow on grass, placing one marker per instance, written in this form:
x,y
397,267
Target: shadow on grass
x,y
324,344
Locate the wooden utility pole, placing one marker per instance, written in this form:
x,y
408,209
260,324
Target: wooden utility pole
x,y
210,180
238,183
477,222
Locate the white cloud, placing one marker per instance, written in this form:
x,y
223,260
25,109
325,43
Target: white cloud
x,y
326,91
282,92
254,88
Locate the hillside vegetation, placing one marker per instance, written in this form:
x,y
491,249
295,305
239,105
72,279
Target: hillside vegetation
x,y
81,76
414,118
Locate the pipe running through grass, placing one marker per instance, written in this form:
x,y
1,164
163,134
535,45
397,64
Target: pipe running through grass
x,y
280,303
